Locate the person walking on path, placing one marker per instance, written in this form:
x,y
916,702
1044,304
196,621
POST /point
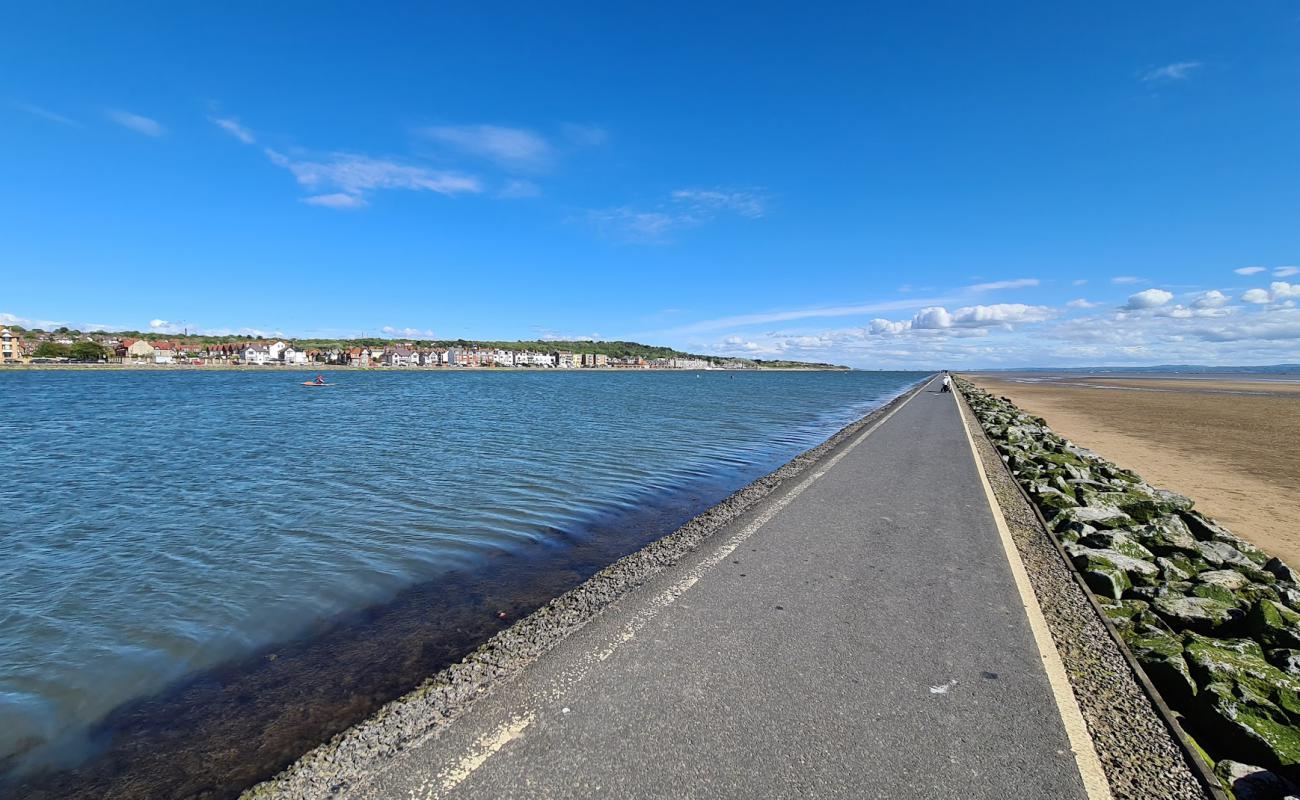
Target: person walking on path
x,y
947,383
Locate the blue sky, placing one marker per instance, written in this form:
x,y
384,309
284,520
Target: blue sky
x,y
903,184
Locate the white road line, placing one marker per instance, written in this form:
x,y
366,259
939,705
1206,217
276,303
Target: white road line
x,y
1085,756
489,744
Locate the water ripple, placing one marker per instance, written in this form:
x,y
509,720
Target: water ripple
x,y
161,523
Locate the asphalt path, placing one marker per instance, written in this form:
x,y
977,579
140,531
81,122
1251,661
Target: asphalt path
x,y
857,634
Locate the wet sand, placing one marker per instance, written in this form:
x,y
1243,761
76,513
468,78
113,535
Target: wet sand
x,y
1229,442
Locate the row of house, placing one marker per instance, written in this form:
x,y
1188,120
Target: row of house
x,y
278,352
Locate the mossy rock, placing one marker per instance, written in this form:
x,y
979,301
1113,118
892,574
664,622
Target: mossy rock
x,y
1175,569
1161,657
1167,536
1247,707
1119,541
1108,517
1200,614
1248,782
1207,530
1217,593
1274,625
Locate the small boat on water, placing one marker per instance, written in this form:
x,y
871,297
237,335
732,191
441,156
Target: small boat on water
x,y
314,383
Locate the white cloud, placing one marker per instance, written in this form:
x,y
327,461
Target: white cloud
x,y
45,114
1018,283
508,147
1248,270
1148,298
518,189
353,176
743,320
1281,290
1285,272
687,208
746,203
584,135
232,126
137,123
1127,279
887,327
1256,296
1082,303
408,333
336,200
1177,71
997,315
1081,282
1211,299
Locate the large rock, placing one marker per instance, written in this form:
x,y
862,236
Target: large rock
x,y
1200,614
1248,782
1280,570
1161,657
1206,529
1274,625
1228,579
1286,660
1167,536
1120,541
1097,516
1110,573
1247,708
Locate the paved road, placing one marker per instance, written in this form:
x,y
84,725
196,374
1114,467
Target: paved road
x,y
863,639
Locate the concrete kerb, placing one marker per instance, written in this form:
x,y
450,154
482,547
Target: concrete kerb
x,y
1204,772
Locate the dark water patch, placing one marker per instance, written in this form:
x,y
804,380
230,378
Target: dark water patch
x,y
215,734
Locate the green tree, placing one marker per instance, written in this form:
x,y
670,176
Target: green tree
x,y
51,350
88,351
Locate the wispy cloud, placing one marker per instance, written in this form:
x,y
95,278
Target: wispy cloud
x,y
514,190
745,202
1177,71
137,123
515,148
347,178
685,208
584,135
743,320
45,114
1124,280
1082,303
1286,272
232,126
1017,283
1248,270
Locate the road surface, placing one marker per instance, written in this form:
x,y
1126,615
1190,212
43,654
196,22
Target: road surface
x,y
857,634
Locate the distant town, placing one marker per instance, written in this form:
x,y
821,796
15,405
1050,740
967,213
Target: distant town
x,y
19,346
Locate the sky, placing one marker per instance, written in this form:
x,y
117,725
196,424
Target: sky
x,y
929,184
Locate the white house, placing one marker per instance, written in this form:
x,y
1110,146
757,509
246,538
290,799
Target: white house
x,y
292,355
163,353
400,357
256,354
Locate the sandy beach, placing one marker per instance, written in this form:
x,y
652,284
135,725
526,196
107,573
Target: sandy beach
x,y
1226,441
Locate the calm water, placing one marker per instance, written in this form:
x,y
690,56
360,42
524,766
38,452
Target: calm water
x,y
153,525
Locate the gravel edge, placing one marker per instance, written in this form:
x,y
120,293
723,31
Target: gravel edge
x,y
329,769
1139,755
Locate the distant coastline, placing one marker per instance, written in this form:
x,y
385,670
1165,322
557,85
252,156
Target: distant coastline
x,y
64,346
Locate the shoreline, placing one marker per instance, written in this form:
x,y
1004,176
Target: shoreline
x,y
156,745
323,368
